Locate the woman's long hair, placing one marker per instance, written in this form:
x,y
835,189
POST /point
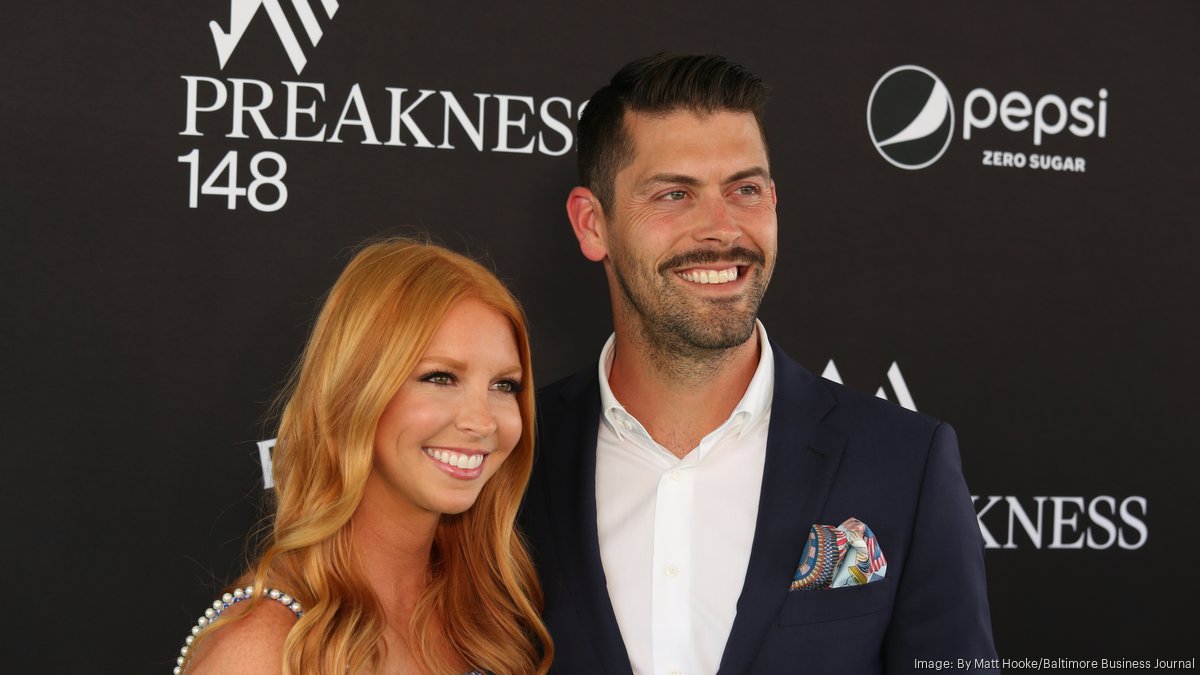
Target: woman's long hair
x,y
481,606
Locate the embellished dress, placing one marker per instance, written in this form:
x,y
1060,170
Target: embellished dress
x,y
229,599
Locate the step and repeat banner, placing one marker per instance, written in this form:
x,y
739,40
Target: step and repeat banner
x,y
988,213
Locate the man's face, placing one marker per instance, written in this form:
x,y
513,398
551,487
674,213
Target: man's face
x,y
691,236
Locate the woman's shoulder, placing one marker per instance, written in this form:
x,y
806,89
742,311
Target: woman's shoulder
x,y
251,644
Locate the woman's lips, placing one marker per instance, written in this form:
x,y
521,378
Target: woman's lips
x,y
459,463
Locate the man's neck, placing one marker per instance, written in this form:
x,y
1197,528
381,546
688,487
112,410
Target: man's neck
x,y
680,397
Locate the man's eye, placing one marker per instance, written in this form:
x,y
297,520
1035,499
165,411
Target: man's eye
x,y
748,190
507,386
438,378
675,195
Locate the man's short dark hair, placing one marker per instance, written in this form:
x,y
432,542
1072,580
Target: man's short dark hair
x,y
659,84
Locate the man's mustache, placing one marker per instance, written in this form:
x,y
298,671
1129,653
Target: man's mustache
x,y
736,256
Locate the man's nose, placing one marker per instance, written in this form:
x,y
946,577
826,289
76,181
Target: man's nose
x,y
718,223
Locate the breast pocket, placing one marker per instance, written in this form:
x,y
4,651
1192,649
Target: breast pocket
x,y
835,604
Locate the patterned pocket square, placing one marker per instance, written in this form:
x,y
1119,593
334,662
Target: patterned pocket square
x,y
826,563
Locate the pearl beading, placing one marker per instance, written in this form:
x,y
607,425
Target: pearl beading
x,y
213,613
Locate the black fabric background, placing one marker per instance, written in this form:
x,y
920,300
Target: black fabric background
x,y
1051,317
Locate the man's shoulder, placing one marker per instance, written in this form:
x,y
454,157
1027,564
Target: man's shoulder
x,y
851,410
879,440
870,407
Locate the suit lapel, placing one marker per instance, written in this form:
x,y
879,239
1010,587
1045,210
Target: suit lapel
x,y
571,455
803,454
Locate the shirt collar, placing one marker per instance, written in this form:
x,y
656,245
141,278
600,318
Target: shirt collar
x,y
754,406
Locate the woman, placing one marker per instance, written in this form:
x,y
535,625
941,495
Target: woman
x,y
404,447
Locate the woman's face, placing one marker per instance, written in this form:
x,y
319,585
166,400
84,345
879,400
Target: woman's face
x,y
455,420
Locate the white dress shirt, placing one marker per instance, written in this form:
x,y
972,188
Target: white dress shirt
x,y
675,534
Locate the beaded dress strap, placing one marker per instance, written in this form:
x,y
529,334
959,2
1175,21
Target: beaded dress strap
x,y
225,602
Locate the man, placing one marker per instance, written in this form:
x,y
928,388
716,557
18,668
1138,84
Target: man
x,y
677,481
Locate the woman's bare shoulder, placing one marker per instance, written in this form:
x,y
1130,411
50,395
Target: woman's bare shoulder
x,y
252,644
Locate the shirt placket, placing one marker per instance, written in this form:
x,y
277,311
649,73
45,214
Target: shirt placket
x,y
672,571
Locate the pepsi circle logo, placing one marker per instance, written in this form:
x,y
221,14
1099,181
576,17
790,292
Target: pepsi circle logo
x,y
910,117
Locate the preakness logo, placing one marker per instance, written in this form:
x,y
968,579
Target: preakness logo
x,y
284,112
895,379
242,11
910,117
1077,522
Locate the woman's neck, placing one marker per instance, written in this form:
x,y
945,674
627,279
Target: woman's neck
x,y
395,557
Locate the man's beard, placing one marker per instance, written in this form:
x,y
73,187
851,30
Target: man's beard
x,y
690,325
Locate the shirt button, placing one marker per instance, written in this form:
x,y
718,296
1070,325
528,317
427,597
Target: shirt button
x,y
676,475
672,571
676,671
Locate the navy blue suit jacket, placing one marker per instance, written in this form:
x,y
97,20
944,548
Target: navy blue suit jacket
x,y
832,453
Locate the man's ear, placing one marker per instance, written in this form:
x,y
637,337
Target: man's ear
x,y
774,194
588,222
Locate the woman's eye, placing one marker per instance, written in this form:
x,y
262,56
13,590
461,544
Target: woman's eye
x,y
507,386
438,378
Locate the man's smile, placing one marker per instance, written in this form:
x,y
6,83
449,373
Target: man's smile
x,y
700,275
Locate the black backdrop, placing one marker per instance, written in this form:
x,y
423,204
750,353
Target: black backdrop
x,y
1049,315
